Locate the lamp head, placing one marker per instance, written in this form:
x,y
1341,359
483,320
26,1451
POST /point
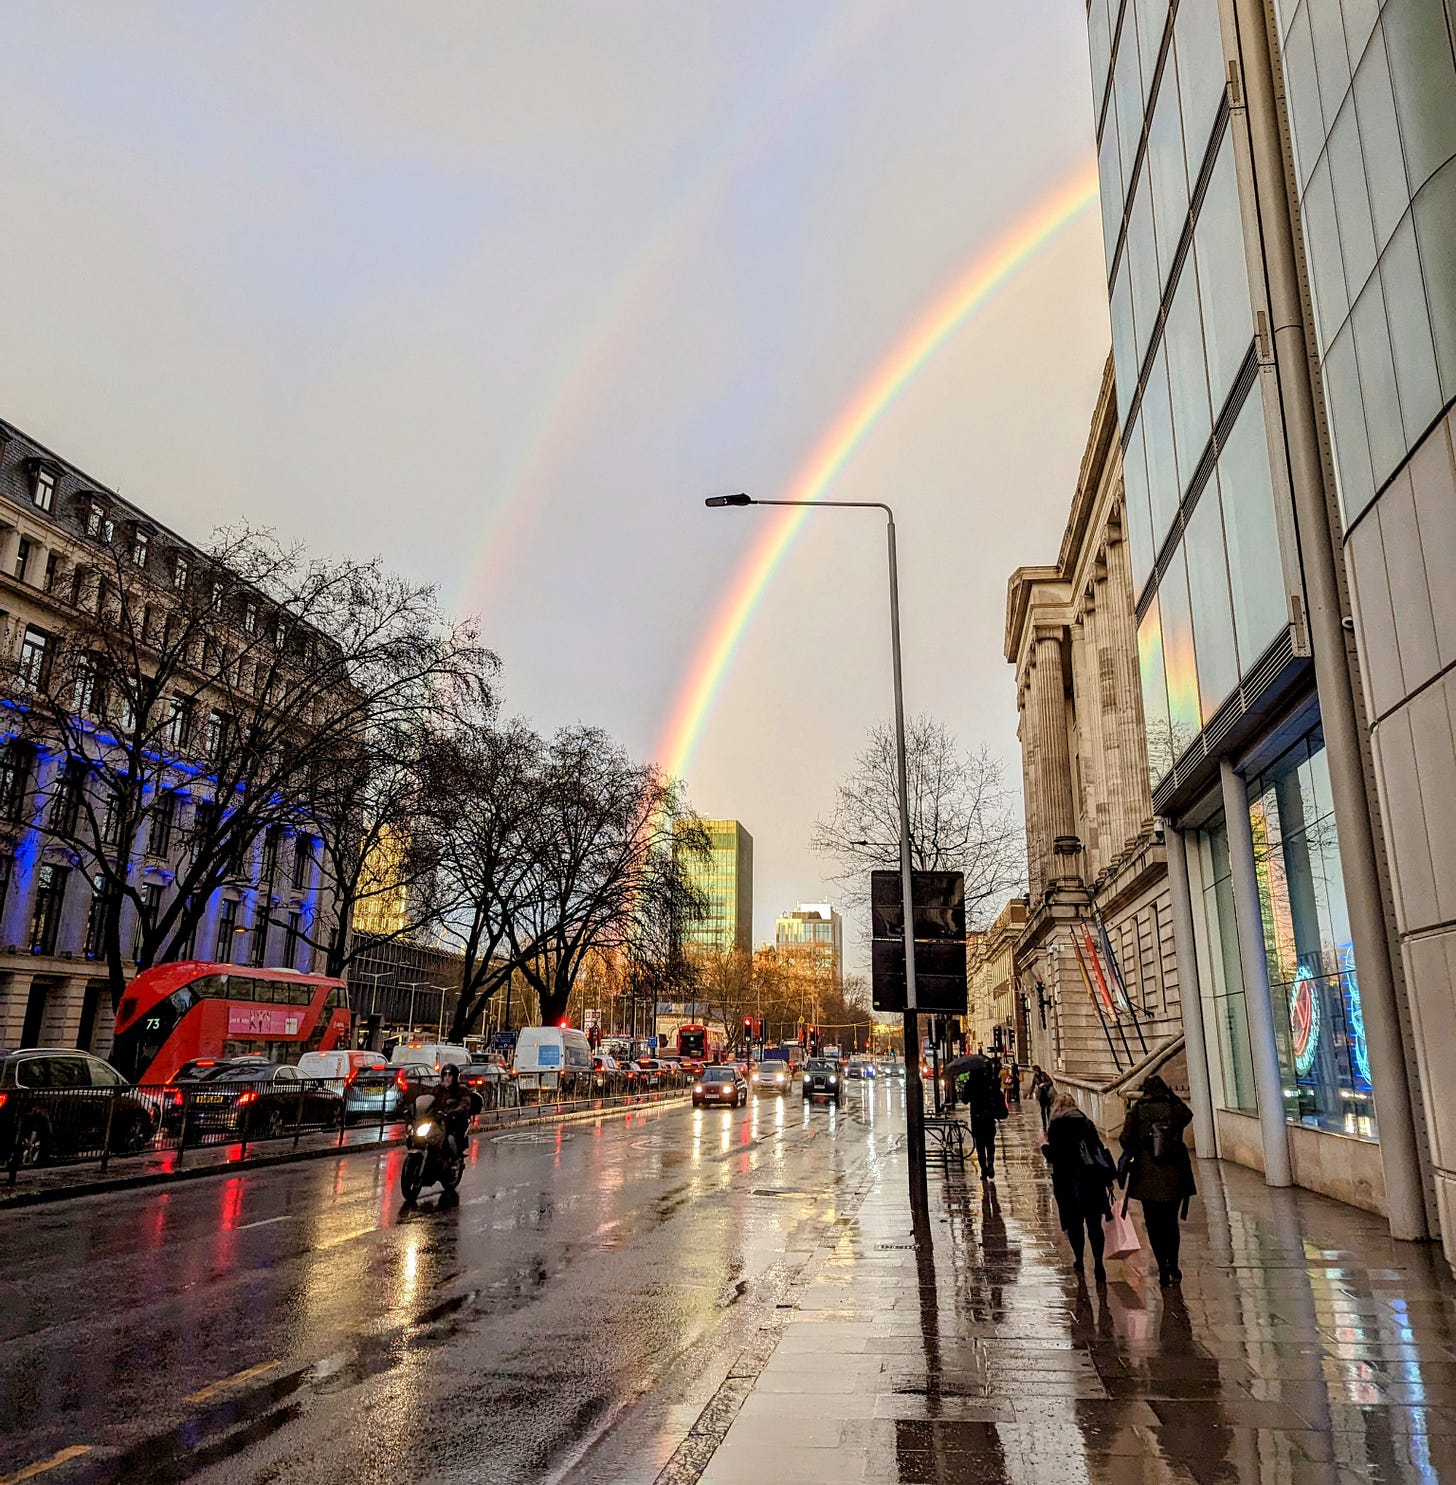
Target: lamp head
x,y
739,499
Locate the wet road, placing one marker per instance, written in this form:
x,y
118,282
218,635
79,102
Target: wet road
x,y
570,1315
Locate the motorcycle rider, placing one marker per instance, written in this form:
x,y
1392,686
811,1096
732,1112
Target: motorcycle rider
x,y
453,1107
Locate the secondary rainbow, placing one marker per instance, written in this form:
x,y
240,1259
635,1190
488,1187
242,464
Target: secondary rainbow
x,y
1016,247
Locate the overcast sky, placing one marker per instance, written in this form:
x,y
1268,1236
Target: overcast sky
x,y
502,291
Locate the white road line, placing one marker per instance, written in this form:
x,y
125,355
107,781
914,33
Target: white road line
x,y
263,1222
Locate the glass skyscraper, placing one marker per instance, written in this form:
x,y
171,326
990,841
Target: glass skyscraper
x,y
1279,211
726,879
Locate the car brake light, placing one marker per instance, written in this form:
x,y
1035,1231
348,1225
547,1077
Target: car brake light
x,y
177,1096
248,1097
3,1098
401,1082
348,1082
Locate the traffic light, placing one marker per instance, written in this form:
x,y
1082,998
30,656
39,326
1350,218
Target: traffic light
x,y
748,1027
760,1028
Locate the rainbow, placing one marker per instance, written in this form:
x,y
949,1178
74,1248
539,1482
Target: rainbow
x,y
1016,247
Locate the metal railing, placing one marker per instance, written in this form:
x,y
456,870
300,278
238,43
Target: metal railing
x,y
72,1126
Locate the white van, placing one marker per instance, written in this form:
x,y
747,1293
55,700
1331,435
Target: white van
x,y
336,1068
435,1054
543,1053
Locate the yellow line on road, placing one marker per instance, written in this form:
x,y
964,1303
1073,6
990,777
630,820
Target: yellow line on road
x,y
60,1457
213,1388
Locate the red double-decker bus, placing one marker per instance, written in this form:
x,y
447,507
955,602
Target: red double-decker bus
x,y
175,1012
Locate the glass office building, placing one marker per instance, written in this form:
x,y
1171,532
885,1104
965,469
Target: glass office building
x,y
1279,211
726,879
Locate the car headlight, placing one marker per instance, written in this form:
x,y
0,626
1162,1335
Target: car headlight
x,y
425,1127
833,1081
697,1087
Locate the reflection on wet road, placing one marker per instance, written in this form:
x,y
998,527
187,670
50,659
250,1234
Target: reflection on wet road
x,y
585,1296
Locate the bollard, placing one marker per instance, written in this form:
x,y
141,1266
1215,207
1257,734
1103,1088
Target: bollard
x,y
106,1138
182,1133
298,1117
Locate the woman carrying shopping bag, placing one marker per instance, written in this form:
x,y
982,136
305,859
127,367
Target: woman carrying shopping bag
x,y
1161,1171
1082,1173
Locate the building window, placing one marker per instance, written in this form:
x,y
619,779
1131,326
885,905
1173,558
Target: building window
x,y
291,940
250,617
45,917
140,546
22,556
179,722
205,815
7,870
227,923
147,914
70,789
269,869
14,779
258,946
179,573
52,570
219,592
302,862
99,523
159,833
95,945
1319,1020
44,490
34,658
216,733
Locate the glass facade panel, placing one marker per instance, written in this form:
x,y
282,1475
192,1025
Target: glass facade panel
x,y
1246,492
1380,142
1179,656
1152,17
1135,496
1353,478
1198,44
1109,181
1223,972
1155,694
1305,119
1099,41
1187,379
1419,46
1213,620
1352,200
1377,383
1223,277
1156,417
1124,354
1142,260
1127,89
1165,166
1312,977
1435,213
1331,60
1327,269
1410,333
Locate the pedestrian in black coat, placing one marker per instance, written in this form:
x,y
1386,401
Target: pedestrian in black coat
x,y
987,1105
1082,1174
1044,1091
1161,1171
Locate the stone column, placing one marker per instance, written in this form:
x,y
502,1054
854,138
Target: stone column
x,y
1034,874
1190,1000
1106,782
1268,1080
1054,765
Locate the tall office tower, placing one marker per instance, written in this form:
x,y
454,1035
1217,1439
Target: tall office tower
x,y
726,877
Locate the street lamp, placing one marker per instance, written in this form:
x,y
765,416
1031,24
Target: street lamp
x,y
914,1090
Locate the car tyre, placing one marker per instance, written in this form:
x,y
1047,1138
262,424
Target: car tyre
x,y
34,1140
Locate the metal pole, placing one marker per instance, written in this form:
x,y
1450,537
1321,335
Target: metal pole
x,y
914,1091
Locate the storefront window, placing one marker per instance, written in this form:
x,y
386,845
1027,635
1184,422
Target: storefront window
x,y
1222,973
1318,1016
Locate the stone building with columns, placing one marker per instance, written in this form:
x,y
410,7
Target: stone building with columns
x,y
53,985
1095,965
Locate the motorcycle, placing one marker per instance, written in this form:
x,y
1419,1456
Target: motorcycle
x,y
428,1160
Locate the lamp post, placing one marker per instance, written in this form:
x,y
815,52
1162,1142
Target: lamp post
x,y
375,976
914,1090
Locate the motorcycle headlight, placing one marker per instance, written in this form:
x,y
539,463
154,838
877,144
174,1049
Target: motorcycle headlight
x,y
833,1081
425,1127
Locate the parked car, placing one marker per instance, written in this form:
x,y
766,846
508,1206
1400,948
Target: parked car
x,y
720,1084
376,1093
337,1067
258,1100
646,1073
488,1083
822,1080
56,1104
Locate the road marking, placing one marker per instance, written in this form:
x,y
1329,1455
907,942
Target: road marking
x,y
60,1457
263,1222
213,1388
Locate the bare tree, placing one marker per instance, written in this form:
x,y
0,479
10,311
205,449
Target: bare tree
x,y
200,700
962,818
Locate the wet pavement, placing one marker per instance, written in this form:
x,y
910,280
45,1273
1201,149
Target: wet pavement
x,y
1303,1345
725,1295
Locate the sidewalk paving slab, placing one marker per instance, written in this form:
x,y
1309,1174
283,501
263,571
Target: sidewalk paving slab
x,y
1303,1345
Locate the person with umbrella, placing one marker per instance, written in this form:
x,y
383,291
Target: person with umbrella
x,y
980,1082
